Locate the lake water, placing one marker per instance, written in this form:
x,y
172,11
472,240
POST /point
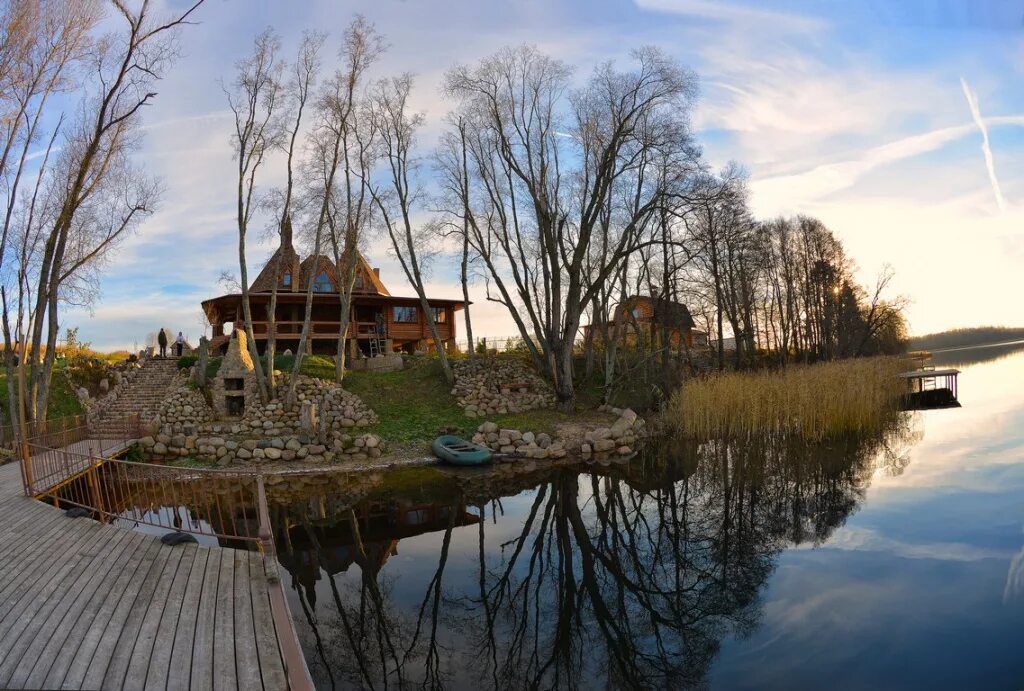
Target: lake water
x,y
895,561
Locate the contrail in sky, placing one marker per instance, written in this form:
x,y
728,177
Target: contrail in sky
x,y
972,103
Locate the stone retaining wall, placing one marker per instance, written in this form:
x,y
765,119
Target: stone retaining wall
x,y
491,386
226,449
619,438
325,426
184,410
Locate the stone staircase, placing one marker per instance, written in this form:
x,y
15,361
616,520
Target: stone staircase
x,y
142,395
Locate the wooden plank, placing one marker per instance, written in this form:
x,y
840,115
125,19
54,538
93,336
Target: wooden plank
x,y
110,657
141,653
84,605
44,575
163,643
21,643
80,608
23,520
247,661
224,674
21,547
202,646
181,652
124,587
271,665
32,567
41,564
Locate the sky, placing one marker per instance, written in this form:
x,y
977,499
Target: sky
x,y
899,125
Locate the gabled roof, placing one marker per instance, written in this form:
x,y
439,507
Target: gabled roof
x,y
664,311
300,270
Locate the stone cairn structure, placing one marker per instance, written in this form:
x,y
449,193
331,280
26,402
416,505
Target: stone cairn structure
x,y
492,386
617,439
235,385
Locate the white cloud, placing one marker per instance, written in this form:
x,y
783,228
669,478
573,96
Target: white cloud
x,y
795,189
986,147
736,14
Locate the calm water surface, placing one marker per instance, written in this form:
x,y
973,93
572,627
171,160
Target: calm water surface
x,y
893,561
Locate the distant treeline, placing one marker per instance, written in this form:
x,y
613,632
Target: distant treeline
x,y
959,338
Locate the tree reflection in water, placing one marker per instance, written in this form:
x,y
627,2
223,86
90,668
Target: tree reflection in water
x,y
628,576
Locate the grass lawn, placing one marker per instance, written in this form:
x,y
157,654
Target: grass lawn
x,y
63,401
414,404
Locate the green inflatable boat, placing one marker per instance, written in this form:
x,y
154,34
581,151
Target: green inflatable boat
x,y
458,451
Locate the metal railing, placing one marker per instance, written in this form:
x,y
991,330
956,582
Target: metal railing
x,y
41,468
219,504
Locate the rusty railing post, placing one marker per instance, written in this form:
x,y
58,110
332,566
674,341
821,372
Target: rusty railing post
x,y
291,654
266,533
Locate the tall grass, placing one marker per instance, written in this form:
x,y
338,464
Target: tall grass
x,y
814,401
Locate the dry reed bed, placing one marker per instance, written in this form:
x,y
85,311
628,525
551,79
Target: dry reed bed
x,y
815,401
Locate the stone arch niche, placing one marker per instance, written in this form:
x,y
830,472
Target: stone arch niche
x,y
234,387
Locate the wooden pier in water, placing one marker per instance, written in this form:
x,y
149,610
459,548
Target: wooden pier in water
x,y
931,388
88,605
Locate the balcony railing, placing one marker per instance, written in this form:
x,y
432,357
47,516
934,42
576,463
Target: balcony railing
x,y
356,329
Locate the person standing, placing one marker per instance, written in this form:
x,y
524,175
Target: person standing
x,y
179,344
161,340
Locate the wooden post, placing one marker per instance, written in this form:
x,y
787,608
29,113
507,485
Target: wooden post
x,y
287,641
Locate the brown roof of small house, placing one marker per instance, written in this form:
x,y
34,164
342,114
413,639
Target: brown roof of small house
x,y
664,311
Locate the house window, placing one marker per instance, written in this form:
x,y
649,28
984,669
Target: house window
x,y
322,284
440,315
637,313
286,280
405,315
359,281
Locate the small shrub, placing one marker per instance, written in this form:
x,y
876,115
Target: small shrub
x,y
187,361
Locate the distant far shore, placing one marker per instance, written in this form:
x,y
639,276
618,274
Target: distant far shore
x,y
979,336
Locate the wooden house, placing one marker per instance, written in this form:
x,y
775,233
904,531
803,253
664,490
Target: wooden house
x,y
643,319
404,325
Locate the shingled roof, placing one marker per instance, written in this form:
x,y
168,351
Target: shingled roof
x,y
300,270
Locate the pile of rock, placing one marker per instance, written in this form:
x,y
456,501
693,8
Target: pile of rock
x,y
491,386
619,438
226,449
184,410
518,443
334,409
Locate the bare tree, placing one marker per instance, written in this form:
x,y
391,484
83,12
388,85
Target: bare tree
x,y
96,195
297,95
397,198
552,162
41,47
254,100
351,208
452,162
338,143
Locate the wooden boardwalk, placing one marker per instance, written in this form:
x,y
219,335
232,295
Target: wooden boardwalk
x,y
90,606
